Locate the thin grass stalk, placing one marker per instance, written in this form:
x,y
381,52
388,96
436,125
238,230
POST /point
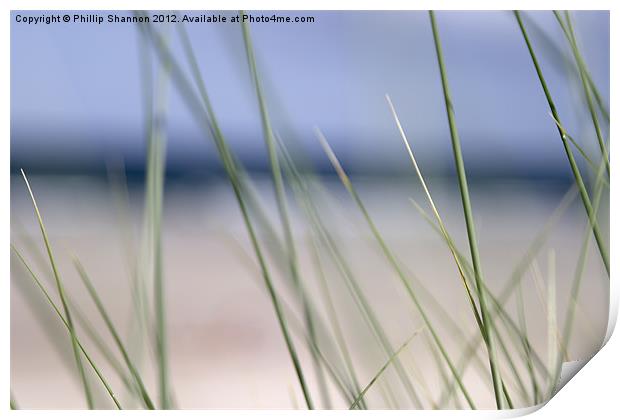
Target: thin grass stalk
x,y
469,221
548,300
359,297
92,333
528,359
82,320
419,377
387,398
448,240
567,28
448,322
333,317
143,306
61,293
339,379
553,350
112,329
392,260
280,195
443,374
136,319
559,51
356,292
275,249
580,149
66,324
435,211
383,368
156,177
516,277
209,122
462,263
569,154
577,280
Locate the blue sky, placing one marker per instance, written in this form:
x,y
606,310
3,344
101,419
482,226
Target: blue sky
x,y
76,93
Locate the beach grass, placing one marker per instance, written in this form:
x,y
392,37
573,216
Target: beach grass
x,y
320,328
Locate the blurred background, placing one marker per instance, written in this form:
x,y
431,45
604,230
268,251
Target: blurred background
x,y
78,113
87,103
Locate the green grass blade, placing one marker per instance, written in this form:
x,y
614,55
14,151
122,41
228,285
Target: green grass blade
x,y
391,259
577,281
359,297
553,349
282,207
138,327
297,327
580,149
569,154
112,329
436,213
517,275
567,28
82,320
233,172
469,221
383,368
275,248
556,50
156,175
334,321
472,348
66,324
528,359
60,288
523,327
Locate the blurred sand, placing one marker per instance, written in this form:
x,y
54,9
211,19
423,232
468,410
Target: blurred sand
x,y
225,346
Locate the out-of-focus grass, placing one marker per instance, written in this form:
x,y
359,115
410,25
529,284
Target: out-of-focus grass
x,y
115,335
585,198
487,322
514,367
66,324
567,28
394,263
63,300
383,368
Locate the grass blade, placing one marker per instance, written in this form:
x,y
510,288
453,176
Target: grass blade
x,y
569,154
66,324
469,221
297,326
582,152
383,368
392,260
577,280
556,53
209,121
528,358
61,293
442,227
553,350
280,195
567,28
82,320
115,335
333,316
303,195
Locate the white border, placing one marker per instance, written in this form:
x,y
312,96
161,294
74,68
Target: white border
x,y
593,393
